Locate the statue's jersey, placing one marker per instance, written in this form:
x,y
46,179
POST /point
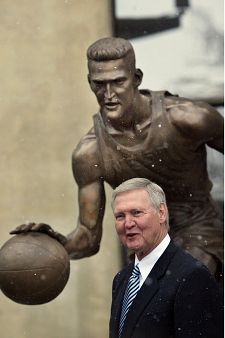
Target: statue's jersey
x,y
166,157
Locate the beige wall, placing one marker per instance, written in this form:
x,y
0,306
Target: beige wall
x,y
45,107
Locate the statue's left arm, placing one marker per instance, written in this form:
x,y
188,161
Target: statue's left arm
x,y
200,122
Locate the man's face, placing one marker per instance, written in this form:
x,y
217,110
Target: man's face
x,y
113,83
139,226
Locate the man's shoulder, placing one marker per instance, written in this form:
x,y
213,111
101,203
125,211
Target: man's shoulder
x,y
85,160
184,112
86,146
188,273
189,116
177,103
187,264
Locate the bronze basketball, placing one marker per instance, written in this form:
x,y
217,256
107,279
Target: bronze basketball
x,y
34,268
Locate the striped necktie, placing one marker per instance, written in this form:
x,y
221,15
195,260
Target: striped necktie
x,y
130,294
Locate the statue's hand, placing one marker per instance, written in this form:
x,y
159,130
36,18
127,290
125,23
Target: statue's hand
x,y
39,227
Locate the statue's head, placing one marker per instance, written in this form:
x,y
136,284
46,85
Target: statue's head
x,y
113,77
111,48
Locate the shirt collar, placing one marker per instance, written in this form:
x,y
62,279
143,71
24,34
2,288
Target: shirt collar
x,y
147,263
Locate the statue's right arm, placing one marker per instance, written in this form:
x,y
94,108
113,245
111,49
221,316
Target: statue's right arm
x,y
85,240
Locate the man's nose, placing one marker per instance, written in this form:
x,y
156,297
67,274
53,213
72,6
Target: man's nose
x,y
108,91
129,221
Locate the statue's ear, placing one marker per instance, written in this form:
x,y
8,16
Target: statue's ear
x,y
89,81
138,77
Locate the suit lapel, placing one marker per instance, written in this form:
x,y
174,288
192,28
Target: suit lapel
x,y
148,290
118,299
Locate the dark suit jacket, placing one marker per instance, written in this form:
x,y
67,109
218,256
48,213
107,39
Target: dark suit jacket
x,y
179,298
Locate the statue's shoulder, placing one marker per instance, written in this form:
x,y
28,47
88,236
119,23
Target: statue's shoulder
x,y
171,100
86,147
190,115
85,160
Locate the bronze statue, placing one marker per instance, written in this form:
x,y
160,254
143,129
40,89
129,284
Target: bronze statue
x,y
142,133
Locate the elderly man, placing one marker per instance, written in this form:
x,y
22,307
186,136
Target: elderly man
x,y
165,292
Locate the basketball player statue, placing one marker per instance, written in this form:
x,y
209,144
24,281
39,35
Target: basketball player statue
x,y
142,133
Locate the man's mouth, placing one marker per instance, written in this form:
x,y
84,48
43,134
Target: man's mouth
x,y
111,105
131,235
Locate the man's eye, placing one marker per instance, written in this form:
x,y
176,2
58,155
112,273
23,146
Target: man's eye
x,y
119,82
137,213
119,217
97,84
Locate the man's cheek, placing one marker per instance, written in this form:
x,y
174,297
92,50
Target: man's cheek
x,y
123,238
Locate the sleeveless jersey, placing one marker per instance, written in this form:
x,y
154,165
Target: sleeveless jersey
x,y
166,157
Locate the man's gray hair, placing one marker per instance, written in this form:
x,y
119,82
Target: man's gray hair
x,y
155,193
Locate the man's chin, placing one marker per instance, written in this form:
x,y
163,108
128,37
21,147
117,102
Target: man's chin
x,y
112,114
133,246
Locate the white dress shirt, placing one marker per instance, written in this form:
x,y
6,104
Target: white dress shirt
x,y
147,263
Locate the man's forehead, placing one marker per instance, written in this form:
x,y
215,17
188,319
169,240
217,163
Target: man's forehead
x,y
111,66
136,196
108,74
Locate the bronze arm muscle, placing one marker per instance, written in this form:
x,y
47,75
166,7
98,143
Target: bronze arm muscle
x,y
85,240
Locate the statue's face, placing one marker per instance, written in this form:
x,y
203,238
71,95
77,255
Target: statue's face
x,y
113,83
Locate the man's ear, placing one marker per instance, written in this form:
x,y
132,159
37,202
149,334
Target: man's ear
x,y
138,77
89,81
162,213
